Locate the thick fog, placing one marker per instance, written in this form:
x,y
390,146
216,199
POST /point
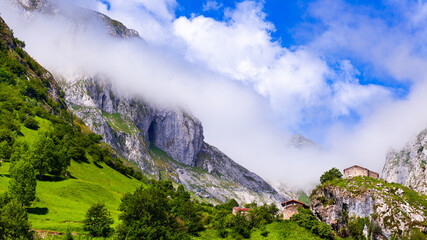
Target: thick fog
x,y
250,92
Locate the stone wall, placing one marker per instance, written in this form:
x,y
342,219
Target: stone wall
x,y
359,171
290,211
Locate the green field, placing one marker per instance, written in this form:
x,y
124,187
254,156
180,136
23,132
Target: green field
x,y
61,204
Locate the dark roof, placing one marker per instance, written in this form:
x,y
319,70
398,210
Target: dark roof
x,y
284,204
359,167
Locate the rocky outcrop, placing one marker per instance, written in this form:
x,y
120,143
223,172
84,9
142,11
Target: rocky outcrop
x,y
178,134
409,165
301,142
114,27
393,208
138,131
218,164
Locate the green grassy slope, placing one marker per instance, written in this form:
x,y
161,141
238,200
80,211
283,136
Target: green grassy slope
x,y
62,204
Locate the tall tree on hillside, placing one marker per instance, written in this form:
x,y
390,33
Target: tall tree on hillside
x,y
13,219
22,185
98,221
146,214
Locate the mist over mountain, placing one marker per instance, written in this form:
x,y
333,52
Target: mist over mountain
x,y
252,95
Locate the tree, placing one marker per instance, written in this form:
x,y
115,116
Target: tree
x,y
330,175
98,221
146,214
13,219
5,151
31,123
22,185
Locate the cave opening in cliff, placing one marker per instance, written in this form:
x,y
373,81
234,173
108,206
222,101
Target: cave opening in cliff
x,y
151,133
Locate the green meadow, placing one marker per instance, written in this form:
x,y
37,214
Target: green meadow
x,y
61,203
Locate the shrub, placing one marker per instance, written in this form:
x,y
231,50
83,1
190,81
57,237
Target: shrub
x,y
31,123
98,221
330,175
22,185
13,219
306,219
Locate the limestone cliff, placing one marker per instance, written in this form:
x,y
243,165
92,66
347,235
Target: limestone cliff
x,y
409,165
166,143
388,209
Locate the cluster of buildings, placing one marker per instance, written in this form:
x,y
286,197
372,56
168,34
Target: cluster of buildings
x,y
291,207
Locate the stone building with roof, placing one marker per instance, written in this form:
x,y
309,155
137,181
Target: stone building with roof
x,y
359,171
291,208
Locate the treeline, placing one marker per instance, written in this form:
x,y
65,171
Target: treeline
x,y
159,211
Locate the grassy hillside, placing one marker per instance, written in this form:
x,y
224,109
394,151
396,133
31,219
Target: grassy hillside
x,y
32,108
62,202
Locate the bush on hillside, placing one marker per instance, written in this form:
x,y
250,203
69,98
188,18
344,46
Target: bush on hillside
x,y
31,123
98,221
330,175
22,185
306,219
13,219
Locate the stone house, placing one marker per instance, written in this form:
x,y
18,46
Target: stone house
x,y
241,210
359,171
291,208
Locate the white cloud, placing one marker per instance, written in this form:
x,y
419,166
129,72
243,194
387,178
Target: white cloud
x,y
212,5
295,81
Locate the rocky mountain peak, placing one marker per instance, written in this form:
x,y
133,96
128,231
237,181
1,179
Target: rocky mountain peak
x,y
408,166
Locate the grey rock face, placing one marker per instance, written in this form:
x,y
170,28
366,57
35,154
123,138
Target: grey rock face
x,y
217,163
385,206
178,134
114,27
301,142
409,165
133,128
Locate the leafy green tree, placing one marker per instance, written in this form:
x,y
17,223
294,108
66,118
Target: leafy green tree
x,y
146,214
262,215
5,151
31,123
189,211
50,155
43,154
98,221
13,219
306,219
22,185
330,175
241,226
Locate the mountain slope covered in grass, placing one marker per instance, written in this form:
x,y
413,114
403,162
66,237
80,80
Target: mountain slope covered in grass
x,y
83,171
